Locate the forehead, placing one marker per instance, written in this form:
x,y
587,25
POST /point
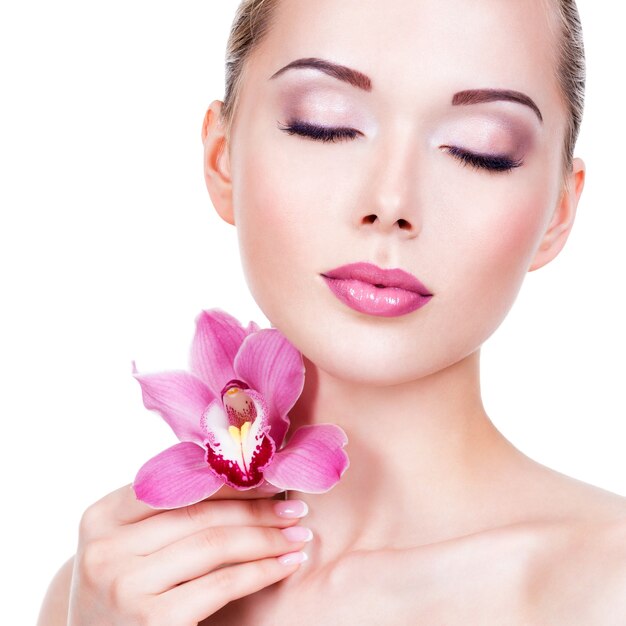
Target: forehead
x,y
409,47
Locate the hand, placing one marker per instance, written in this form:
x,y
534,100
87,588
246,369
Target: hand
x,y
139,566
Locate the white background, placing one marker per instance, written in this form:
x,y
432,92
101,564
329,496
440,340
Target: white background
x,y
109,248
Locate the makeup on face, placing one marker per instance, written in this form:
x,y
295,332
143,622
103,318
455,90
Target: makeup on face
x,y
486,132
364,83
340,97
499,126
373,290
308,97
322,105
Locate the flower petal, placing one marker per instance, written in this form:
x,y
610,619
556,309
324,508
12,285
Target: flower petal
x,y
214,418
176,477
231,471
236,454
269,363
312,461
181,399
252,327
267,489
215,344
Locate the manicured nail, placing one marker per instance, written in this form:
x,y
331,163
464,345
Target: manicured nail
x,y
291,508
293,557
297,533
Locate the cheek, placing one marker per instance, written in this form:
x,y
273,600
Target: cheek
x,y
293,216
498,258
273,213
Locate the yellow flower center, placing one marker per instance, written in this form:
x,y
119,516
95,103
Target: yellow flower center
x,y
240,434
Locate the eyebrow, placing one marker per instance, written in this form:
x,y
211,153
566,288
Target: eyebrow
x,y
475,96
362,81
346,74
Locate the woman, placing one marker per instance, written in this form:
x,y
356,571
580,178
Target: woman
x,y
437,139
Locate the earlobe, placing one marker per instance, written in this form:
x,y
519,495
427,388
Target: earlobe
x,y
563,216
217,162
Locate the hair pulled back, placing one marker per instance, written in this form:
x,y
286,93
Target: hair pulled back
x,y
253,19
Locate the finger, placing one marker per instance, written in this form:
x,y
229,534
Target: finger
x,y
198,599
264,490
154,533
122,506
211,548
116,508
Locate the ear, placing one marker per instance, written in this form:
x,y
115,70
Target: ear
x,y
217,163
563,217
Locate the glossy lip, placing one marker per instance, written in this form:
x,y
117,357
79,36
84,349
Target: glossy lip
x,y
370,289
374,275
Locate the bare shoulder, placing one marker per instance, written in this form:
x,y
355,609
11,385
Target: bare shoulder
x,y
551,495
579,575
602,548
54,608
594,504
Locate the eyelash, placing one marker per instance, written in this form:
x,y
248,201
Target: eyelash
x,y
496,163
319,133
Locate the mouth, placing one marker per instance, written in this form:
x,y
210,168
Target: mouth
x,y
379,277
370,289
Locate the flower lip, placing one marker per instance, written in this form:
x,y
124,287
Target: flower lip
x,y
233,384
370,273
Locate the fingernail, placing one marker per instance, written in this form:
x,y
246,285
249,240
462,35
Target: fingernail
x,y
293,557
297,533
291,508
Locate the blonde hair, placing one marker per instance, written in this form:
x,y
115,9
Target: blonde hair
x,y
252,21
254,18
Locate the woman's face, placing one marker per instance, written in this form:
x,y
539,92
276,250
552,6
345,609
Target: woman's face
x,y
395,193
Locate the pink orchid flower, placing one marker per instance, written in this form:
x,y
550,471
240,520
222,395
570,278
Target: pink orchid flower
x,y
230,415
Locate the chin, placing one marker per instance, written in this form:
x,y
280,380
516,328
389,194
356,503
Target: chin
x,y
368,350
367,359
372,374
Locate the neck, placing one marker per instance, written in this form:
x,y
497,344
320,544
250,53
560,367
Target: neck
x,y
420,455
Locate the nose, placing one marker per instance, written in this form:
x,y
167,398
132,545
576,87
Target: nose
x,y
391,193
401,223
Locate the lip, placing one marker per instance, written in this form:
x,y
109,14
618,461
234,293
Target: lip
x,y
370,289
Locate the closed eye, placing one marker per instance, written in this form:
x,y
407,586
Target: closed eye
x,y
492,162
319,133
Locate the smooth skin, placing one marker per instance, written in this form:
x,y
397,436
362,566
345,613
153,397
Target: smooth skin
x,y
138,565
439,516
435,494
